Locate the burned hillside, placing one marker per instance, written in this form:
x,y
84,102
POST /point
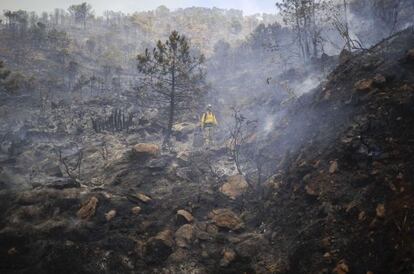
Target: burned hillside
x,y
277,146
347,189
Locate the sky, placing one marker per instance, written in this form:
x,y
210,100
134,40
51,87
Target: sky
x,y
129,6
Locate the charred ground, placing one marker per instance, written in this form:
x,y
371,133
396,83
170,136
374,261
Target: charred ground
x,y
340,199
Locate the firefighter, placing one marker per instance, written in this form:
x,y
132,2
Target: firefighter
x,y
208,123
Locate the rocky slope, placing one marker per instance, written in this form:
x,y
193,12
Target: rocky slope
x,y
340,200
343,201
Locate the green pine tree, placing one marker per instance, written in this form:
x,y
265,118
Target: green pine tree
x,y
173,78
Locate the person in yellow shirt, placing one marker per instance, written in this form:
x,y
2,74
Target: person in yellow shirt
x,y
208,122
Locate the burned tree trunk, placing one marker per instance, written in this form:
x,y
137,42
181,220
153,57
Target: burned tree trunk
x,y
116,122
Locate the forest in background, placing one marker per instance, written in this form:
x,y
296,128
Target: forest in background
x,y
311,168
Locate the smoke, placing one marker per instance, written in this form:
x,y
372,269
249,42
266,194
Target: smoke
x,y
308,84
261,73
268,124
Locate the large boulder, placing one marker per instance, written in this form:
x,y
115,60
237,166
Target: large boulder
x,y
234,187
225,218
146,150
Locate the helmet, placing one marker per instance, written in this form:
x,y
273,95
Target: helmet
x,y
209,106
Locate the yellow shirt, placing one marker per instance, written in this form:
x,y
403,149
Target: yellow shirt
x,y
208,118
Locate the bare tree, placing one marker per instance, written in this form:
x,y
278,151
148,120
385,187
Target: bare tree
x,y
338,16
240,131
72,71
72,170
104,151
391,12
304,17
81,12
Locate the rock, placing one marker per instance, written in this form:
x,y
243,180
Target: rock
x,y
12,251
327,256
379,80
158,248
326,242
183,157
88,209
204,254
185,128
146,150
110,215
136,210
166,236
274,182
184,216
212,229
362,216
410,55
225,218
251,245
139,197
364,85
182,130
333,167
407,88
139,248
380,210
179,256
228,256
234,187
203,236
312,189
184,235
327,94
341,268
144,198
62,183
